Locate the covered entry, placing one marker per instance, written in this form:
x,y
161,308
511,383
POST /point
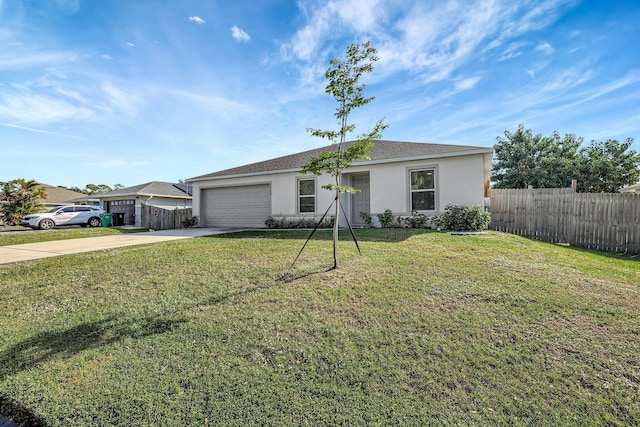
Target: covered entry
x,y
236,206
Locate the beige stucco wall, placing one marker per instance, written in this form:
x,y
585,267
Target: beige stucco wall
x,y
459,180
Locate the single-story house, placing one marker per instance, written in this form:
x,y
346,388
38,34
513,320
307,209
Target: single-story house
x,y
58,196
400,176
125,203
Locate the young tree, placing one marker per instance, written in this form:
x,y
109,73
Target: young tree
x,y
344,86
608,166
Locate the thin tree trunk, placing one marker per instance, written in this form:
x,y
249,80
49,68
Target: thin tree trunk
x,y
335,231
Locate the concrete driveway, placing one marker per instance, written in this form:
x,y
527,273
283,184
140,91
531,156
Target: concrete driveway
x,y
31,251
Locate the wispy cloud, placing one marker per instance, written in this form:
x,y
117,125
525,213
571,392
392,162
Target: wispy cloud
x,y
15,60
429,40
545,48
239,35
468,83
120,101
197,20
39,109
35,130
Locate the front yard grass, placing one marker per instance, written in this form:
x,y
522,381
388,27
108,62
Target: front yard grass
x,y
424,328
22,235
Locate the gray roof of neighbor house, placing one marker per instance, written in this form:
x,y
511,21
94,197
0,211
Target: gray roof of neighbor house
x,y
154,188
382,152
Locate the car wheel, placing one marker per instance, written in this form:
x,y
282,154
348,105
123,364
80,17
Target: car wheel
x,y
46,224
94,222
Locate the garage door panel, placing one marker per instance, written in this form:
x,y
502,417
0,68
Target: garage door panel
x,y
243,206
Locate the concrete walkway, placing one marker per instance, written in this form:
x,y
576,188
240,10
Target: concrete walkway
x,y
31,251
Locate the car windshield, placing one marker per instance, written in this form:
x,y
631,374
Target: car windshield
x,y
52,210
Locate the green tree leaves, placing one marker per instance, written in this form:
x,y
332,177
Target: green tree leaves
x,y
18,198
523,159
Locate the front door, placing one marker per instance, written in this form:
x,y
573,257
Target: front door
x,y
360,201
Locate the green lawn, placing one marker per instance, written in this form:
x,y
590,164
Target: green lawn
x,y
11,236
424,328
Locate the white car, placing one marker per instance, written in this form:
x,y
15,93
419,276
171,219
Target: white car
x,y
64,215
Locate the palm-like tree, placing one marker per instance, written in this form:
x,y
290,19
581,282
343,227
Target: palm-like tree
x,y
20,197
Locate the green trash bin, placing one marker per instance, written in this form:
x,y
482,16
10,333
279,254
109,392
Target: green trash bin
x,y
106,219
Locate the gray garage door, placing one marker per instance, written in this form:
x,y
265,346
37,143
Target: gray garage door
x,y
243,206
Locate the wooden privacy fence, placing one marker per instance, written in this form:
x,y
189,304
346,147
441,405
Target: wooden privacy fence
x,y
157,218
608,222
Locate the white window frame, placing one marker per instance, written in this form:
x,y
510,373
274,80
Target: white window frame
x,y
434,190
300,196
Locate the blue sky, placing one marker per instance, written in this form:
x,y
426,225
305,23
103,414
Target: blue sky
x,y
114,91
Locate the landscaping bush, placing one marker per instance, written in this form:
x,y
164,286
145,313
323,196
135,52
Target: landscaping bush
x,y
284,222
388,220
416,220
366,217
190,222
463,218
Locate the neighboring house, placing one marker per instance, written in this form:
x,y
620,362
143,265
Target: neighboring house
x,y
57,196
631,189
400,176
85,200
125,203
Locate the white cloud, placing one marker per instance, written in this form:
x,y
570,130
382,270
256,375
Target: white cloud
x,y
106,56
239,34
121,101
39,109
468,83
197,20
130,44
17,61
545,48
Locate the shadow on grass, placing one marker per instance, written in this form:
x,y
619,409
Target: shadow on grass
x,y
20,415
47,345
387,235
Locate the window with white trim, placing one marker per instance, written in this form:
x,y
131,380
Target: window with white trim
x,y
306,195
423,189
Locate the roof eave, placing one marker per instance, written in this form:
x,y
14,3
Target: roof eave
x,y
363,163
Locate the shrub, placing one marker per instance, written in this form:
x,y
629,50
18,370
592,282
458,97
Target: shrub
x,y
190,222
388,220
416,220
463,218
366,217
284,223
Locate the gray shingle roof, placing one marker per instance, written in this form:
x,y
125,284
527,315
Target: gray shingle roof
x,y
154,188
381,151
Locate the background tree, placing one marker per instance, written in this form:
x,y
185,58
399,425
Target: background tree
x,y
344,86
94,189
522,159
18,198
608,166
